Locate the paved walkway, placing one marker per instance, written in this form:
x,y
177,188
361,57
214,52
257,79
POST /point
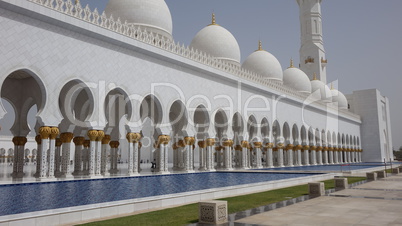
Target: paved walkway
x,y
372,203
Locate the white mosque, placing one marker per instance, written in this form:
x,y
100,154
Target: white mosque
x,y
116,85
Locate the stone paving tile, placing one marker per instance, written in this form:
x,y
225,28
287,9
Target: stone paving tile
x,y
330,210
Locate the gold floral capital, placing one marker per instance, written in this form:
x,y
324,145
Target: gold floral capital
x,y
66,137
319,148
106,139
202,144
238,147
227,143
189,140
269,145
289,147
38,139
100,136
210,142
244,144
280,146
86,143
163,139
19,141
58,142
92,134
313,148
306,147
257,144
79,140
298,147
44,132
54,132
114,144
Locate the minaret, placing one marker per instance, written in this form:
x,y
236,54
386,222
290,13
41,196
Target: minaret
x,y
312,53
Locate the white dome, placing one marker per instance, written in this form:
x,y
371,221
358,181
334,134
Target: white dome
x,y
320,91
154,15
264,64
297,79
339,99
218,42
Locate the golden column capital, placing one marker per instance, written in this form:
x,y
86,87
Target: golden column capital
x,y
257,144
244,144
163,139
100,136
38,139
189,140
114,144
92,134
202,144
181,144
210,142
306,147
269,145
79,140
106,139
19,141
218,148
133,137
298,147
238,147
44,132
319,148
290,147
227,143
313,148
325,148
66,137
58,142
87,143
54,132
174,146
280,146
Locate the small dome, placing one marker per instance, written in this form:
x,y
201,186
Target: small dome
x,y
218,42
320,91
296,79
264,64
339,99
154,15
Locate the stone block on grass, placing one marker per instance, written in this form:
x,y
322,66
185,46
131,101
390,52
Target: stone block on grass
x,y
381,174
316,189
341,183
213,212
395,171
371,176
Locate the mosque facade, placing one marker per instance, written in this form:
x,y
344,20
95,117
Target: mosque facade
x,y
116,85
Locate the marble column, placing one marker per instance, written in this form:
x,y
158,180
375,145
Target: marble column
x,y
133,161
336,155
270,155
280,148
188,154
331,155
202,152
218,157
136,153
114,146
19,156
98,151
66,139
257,148
306,149
289,153
244,149
325,153
44,132
85,157
57,163
92,134
78,155
298,149
38,140
181,154
162,145
319,155
54,132
313,155
227,154
209,163
349,155
105,147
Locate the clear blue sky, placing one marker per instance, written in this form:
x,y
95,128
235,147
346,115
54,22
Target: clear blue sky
x,y
361,37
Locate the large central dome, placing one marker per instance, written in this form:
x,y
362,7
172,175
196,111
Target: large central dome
x,y
153,15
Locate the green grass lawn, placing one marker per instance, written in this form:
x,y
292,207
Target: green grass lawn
x,y
189,213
